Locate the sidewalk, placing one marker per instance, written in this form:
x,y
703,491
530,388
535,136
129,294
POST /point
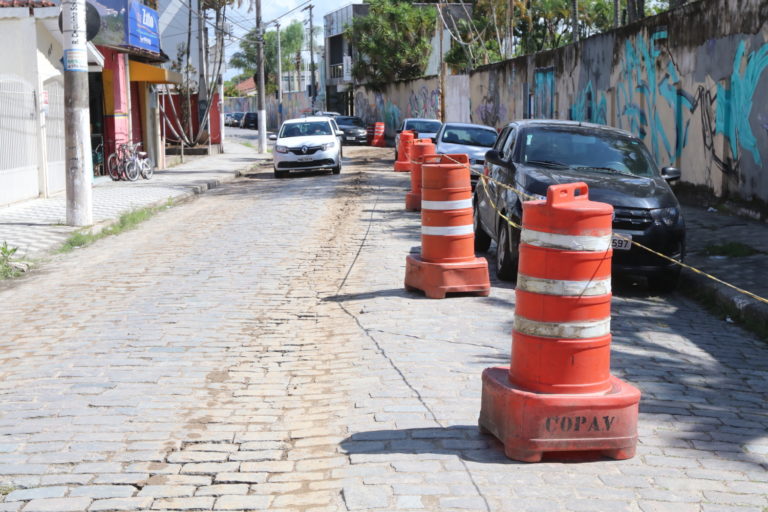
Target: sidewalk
x,y
38,226
706,228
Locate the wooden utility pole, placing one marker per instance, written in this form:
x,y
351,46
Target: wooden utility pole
x,y
77,116
262,121
279,77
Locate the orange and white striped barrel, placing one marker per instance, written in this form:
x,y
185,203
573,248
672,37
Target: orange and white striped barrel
x,y
419,149
378,135
403,162
446,209
562,333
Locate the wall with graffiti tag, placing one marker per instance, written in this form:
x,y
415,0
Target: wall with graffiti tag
x,y
691,83
400,100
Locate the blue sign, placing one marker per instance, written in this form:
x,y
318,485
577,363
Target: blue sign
x,y
143,30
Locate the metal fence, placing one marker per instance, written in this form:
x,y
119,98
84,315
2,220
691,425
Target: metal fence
x,y
18,140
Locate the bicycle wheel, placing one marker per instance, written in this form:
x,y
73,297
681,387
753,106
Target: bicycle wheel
x,y
132,170
113,167
147,168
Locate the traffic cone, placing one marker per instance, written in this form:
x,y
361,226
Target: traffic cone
x,y
403,162
447,263
419,149
558,394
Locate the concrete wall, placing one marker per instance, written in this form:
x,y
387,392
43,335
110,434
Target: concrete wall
x,y
295,104
691,83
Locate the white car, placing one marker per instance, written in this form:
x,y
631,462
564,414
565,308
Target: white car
x,y
307,144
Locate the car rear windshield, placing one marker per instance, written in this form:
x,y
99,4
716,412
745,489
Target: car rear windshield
x,y
468,136
595,151
304,129
350,121
423,126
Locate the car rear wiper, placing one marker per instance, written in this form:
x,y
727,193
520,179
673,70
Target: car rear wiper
x,y
550,163
598,168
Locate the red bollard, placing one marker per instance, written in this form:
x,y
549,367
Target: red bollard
x,y
447,263
403,162
558,394
419,149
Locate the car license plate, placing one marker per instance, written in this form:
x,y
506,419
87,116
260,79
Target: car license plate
x,y
350,138
621,243
305,159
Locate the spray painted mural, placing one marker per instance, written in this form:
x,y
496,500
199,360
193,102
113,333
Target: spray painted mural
x,y
416,98
295,104
692,89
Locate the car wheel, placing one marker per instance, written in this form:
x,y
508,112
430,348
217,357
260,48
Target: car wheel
x,y
337,169
507,246
482,240
665,282
280,174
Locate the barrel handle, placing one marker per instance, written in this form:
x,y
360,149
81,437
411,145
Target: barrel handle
x,y
567,192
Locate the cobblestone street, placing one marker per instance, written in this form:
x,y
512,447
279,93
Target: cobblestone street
x,y
255,349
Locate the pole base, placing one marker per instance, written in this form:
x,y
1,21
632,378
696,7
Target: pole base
x,y
438,279
413,202
531,424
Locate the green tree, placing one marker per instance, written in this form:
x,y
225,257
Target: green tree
x,y
291,42
393,42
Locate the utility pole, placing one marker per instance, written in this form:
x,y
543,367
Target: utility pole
x,y
312,56
260,82
279,77
202,46
77,116
440,69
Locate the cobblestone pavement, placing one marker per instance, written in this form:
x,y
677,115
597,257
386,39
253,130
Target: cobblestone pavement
x,y
255,350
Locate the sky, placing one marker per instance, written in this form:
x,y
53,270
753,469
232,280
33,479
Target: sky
x,y
242,20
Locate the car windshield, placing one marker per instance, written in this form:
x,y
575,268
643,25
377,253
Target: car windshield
x,y
588,151
423,126
350,121
468,136
304,129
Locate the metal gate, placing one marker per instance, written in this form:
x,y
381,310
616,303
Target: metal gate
x,y
18,140
54,136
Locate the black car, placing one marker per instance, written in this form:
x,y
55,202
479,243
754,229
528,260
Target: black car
x,y
250,120
236,118
354,129
531,155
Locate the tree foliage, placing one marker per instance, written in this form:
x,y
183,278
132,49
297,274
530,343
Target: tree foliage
x,y
291,43
393,41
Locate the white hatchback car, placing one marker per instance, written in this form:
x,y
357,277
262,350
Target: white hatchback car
x,y
307,144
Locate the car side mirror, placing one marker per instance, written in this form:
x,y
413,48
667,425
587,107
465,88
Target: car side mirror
x,y
670,173
272,136
339,133
433,139
493,157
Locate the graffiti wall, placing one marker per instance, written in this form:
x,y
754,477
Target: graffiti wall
x,y
413,98
692,84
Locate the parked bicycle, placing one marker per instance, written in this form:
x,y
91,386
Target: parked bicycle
x,y
127,162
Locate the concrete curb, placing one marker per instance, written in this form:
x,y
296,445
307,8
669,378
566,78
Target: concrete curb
x,y
746,310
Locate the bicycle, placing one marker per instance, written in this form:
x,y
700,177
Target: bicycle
x,y
127,162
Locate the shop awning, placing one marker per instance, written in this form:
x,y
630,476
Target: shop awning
x,y
141,72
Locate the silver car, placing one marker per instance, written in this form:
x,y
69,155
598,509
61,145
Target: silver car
x,y
474,140
307,144
421,128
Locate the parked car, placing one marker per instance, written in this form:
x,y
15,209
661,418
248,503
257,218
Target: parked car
x,y
531,155
422,129
250,120
470,139
354,129
236,119
307,144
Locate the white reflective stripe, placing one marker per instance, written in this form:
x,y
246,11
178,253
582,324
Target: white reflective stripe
x,y
565,330
566,242
562,287
446,205
447,230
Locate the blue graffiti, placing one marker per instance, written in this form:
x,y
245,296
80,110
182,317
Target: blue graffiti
x,y
734,105
586,109
544,93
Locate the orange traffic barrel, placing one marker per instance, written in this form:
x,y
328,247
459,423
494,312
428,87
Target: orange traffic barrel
x,y
378,135
560,363
447,262
420,149
403,162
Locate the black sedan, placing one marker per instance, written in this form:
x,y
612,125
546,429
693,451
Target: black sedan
x,y
354,129
531,155
250,120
